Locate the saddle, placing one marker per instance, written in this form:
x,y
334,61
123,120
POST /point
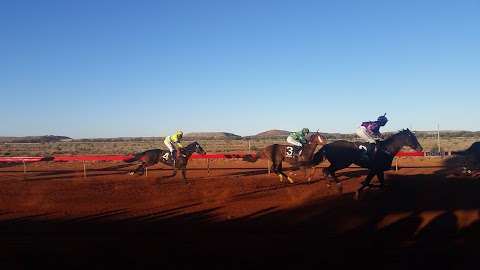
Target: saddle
x,y
173,156
370,149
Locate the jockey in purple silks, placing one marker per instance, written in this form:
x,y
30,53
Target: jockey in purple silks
x,y
370,131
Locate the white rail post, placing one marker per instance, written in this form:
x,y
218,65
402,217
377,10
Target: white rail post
x,y
396,164
146,171
268,166
24,167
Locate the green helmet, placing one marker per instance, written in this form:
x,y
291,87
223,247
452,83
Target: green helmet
x,y
305,130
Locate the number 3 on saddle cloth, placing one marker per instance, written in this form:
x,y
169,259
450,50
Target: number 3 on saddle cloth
x,y
293,151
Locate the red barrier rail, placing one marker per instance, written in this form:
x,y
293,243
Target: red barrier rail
x,y
92,158
21,159
411,154
125,157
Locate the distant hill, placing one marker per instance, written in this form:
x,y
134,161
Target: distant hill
x,y
35,139
273,133
277,134
212,136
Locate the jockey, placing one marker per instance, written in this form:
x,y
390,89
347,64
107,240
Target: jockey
x,y
298,138
370,131
173,143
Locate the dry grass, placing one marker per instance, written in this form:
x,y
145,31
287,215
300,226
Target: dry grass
x,y
211,146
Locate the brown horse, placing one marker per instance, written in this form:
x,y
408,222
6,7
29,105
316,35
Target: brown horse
x,y
153,156
277,153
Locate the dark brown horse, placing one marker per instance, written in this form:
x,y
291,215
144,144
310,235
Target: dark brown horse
x,y
342,154
152,157
277,153
472,161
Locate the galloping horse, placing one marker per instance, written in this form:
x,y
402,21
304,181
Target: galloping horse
x,y
342,154
473,158
152,157
277,153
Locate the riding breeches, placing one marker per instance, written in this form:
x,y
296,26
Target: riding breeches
x,y
291,140
363,133
169,145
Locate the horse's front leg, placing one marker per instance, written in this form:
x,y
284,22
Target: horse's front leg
x,y
366,183
184,175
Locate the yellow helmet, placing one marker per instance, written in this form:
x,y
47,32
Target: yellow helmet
x,y
180,133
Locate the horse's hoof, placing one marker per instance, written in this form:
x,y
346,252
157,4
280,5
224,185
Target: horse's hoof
x,y
290,180
131,173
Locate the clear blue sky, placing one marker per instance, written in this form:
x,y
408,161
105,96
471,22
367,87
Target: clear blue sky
x,y
145,68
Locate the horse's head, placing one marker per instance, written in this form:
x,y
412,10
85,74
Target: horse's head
x,y
410,140
317,138
199,149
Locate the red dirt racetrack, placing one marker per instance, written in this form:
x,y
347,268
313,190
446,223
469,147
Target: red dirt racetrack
x,y
237,218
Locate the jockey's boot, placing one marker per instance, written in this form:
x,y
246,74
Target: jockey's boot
x,y
174,156
372,149
371,152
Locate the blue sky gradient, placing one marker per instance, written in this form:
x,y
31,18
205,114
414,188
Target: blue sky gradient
x,y
146,68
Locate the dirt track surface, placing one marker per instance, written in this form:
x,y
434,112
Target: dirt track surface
x,y
237,217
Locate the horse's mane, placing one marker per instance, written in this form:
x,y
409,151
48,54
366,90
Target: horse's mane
x,y
311,136
190,146
393,136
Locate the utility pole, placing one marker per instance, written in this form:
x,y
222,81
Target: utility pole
x,y
438,139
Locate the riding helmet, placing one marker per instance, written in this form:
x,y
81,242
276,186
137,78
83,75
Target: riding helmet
x,y
382,119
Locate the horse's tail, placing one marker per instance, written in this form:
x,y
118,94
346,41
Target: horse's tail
x,y
134,158
319,156
253,157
